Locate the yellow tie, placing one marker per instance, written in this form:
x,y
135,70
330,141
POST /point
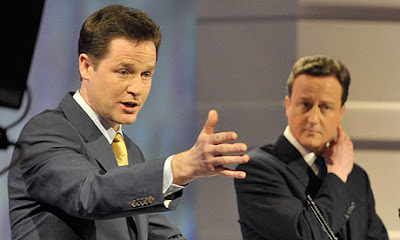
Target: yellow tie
x,y
119,148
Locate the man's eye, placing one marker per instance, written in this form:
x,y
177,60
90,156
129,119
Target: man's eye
x,y
146,74
325,108
123,72
306,105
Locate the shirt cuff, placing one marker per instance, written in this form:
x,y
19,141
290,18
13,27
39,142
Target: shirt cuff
x,y
168,187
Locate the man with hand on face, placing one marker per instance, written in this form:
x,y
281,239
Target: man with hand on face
x,y
81,177
314,156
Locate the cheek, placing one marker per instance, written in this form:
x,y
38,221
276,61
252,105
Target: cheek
x,y
296,124
107,95
146,92
330,126
296,120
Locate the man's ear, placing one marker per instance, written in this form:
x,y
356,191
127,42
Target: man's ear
x,y
85,63
342,110
287,104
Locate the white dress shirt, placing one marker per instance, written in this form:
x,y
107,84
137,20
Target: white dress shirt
x,y
109,133
308,156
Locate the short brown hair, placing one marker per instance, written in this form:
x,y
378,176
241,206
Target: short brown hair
x,y
321,66
112,22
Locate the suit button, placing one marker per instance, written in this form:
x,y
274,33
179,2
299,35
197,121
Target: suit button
x,y
151,200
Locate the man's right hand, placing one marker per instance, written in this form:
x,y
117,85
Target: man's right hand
x,y
209,155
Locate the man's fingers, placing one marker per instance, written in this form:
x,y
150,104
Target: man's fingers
x,y
341,134
211,121
215,150
230,159
222,137
230,173
227,148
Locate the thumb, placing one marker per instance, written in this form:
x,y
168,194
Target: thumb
x,y
211,121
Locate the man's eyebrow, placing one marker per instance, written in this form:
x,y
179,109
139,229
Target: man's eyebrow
x,y
305,99
328,102
126,64
149,67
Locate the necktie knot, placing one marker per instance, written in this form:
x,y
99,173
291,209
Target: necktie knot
x,y
119,148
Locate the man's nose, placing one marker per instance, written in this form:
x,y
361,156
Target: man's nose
x,y
135,85
314,115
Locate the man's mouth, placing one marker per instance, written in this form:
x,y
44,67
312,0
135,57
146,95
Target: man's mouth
x,y
312,131
130,104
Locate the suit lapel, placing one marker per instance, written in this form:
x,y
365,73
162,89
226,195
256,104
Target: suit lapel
x,y
287,153
101,150
134,153
299,169
78,117
97,145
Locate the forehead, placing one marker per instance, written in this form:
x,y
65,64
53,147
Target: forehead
x,y
322,86
121,49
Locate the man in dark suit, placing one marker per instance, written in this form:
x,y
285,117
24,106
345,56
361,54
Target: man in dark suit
x,y
314,156
81,177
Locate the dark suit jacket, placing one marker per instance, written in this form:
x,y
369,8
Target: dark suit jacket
x,y
69,185
272,199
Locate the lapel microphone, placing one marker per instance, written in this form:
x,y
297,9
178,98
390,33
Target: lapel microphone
x,y
317,213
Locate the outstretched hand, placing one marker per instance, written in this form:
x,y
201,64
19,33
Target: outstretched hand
x,y
209,155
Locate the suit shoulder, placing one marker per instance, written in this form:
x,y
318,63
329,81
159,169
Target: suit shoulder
x,y
48,115
260,158
359,169
48,122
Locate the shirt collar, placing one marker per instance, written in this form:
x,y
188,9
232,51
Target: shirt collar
x,y
307,155
100,123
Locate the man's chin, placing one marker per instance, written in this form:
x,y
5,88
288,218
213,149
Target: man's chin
x,y
126,120
314,145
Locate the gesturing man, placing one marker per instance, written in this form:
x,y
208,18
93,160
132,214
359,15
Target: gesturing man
x,y
314,156
81,177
